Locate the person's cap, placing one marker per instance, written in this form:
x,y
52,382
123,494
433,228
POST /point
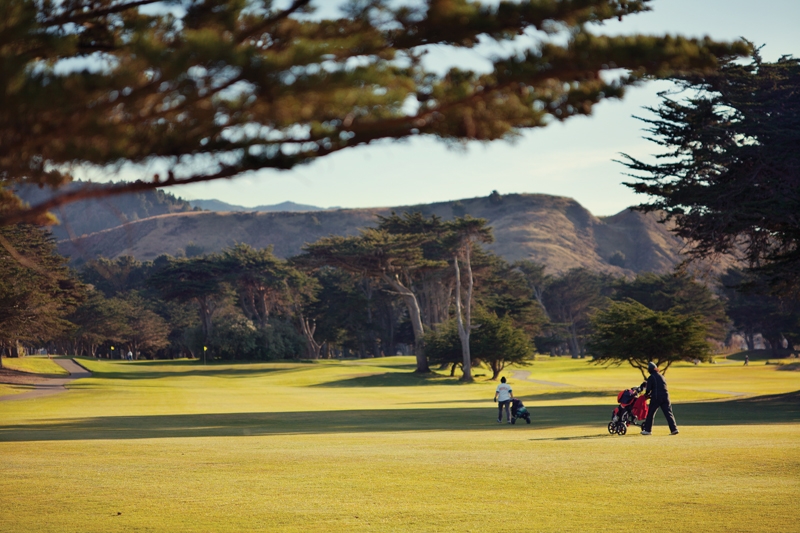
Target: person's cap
x,y
652,367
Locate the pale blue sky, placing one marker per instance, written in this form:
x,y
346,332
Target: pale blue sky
x,y
573,159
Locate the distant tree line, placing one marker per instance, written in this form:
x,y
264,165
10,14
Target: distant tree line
x,y
412,285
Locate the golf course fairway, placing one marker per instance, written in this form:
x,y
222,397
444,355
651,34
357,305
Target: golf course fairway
x,y
366,445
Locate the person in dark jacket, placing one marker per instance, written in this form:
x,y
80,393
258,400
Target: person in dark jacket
x,y
659,399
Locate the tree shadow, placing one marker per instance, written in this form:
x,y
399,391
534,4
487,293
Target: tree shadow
x,y
540,397
390,379
191,367
207,371
774,409
578,437
376,362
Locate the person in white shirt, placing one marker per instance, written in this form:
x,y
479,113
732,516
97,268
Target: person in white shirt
x,y
503,397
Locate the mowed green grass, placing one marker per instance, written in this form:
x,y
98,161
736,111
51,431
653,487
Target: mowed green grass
x,y
34,365
368,446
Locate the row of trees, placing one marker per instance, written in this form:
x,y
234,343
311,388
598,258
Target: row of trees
x,y
411,285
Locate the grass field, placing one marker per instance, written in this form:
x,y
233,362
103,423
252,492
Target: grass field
x,y
9,389
34,365
368,446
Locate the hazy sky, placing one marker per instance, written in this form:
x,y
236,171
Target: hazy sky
x,y
571,159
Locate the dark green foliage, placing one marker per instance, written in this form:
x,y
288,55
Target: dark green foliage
x,y
503,289
199,280
752,310
679,293
235,338
729,179
548,344
37,290
97,320
393,259
282,340
265,285
107,316
498,343
353,313
184,325
627,331
495,342
146,332
570,301
112,276
443,346
303,87
535,278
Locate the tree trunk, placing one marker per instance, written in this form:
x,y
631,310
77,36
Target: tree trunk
x,y
776,345
749,339
497,367
574,345
464,321
410,299
453,369
312,346
368,290
538,293
206,310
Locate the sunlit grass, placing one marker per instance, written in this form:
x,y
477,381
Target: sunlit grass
x,y
6,390
34,365
369,446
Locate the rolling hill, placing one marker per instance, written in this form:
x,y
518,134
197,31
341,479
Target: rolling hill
x,y
85,217
218,205
556,231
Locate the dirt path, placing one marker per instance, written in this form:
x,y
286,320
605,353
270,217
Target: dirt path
x,y
523,376
50,386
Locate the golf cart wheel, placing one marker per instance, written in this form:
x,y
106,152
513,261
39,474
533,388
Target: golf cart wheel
x,y
612,427
513,420
622,429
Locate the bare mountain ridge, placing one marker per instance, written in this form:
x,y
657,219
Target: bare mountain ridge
x,y
217,205
85,217
553,230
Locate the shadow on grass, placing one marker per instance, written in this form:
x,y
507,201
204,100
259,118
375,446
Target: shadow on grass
x,y
391,379
580,437
760,355
191,367
540,397
776,409
203,371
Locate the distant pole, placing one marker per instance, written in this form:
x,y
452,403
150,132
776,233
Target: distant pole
x,y
112,352
205,349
